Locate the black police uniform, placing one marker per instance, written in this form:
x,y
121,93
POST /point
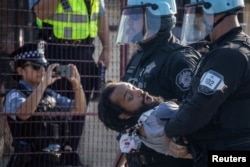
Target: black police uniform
x,y
164,68
41,140
218,115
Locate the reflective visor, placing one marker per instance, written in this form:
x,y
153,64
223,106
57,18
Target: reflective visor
x,y
196,25
137,24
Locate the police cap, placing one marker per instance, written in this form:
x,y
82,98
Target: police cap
x,y
33,52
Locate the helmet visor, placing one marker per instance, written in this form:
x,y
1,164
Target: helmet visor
x,y
137,24
196,25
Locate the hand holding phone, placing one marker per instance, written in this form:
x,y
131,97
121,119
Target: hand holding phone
x,y
64,71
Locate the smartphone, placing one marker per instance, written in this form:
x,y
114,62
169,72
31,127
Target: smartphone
x,y
64,71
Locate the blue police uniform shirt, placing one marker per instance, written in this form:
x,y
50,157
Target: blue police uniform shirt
x,y
101,12
15,98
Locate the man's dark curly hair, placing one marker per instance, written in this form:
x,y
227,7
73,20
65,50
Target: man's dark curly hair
x,y
108,112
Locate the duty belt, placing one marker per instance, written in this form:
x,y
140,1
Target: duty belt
x,y
88,41
51,157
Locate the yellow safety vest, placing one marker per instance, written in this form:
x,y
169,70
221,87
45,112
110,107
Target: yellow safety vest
x,y
74,23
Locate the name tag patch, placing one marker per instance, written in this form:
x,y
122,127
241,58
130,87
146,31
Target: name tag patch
x,y
210,82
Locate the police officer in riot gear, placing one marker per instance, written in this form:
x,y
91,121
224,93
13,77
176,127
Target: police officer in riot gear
x,y
38,116
161,66
216,115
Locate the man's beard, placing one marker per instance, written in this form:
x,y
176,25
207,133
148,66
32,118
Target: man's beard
x,y
146,107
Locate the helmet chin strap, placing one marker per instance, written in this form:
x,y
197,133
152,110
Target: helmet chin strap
x,y
218,22
222,18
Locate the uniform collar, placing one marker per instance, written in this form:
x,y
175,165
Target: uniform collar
x,y
155,44
26,85
166,37
230,35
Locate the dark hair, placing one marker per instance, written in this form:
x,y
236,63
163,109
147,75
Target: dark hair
x,y
16,64
108,112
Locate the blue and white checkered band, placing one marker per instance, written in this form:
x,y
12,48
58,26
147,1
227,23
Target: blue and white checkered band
x,y
28,55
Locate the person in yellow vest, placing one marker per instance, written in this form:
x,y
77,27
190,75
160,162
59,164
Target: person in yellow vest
x,y
69,27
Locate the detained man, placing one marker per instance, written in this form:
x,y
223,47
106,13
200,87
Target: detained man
x,y
140,116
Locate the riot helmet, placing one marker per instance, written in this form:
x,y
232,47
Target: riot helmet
x,y
142,19
198,20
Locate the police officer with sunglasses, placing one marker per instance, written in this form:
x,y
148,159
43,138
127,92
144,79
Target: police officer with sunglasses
x,y
40,138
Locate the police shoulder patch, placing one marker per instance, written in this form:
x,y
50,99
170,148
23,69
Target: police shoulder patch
x,y
183,79
210,82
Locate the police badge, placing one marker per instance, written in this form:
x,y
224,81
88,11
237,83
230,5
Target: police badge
x,y
41,47
183,79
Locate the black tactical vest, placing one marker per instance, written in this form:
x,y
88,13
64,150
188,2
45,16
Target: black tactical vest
x,y
40,131
145,75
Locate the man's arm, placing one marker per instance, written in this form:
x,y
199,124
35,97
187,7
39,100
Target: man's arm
x,y
103,33
120,160
178,150
45,8
29,106
80,99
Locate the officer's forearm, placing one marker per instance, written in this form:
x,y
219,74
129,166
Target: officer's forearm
x,y
80,100
28,107
103,31
45,8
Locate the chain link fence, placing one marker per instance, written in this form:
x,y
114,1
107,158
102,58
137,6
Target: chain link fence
x,y
98,145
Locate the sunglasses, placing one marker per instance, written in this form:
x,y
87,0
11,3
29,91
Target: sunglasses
x,y
34,66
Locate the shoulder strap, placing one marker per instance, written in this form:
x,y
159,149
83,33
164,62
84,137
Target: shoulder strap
x,y
173,48
242,40
133,69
